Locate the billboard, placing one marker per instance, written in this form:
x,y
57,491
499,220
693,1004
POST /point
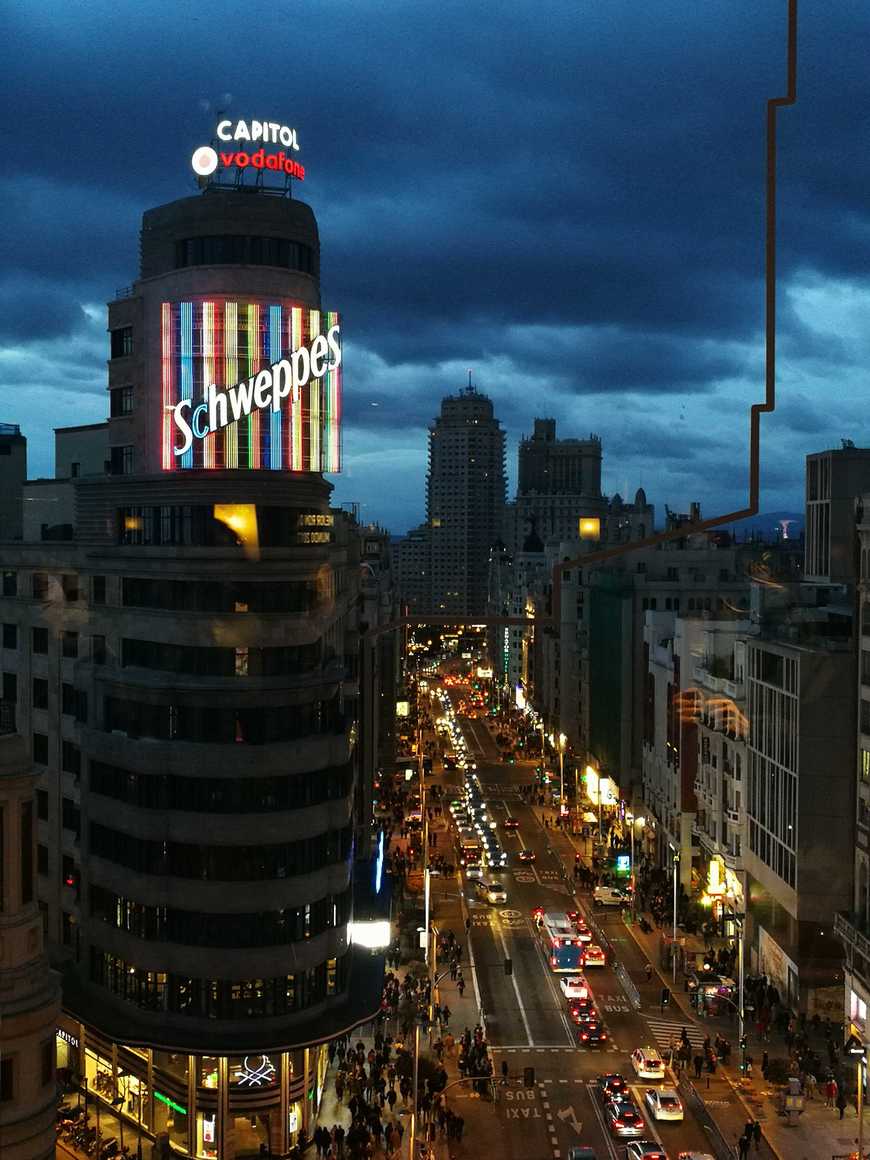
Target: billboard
x,y
253,385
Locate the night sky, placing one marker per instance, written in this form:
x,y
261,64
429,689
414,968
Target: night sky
x,y
567,198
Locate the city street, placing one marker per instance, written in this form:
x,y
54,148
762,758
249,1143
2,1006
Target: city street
x,y
525,1012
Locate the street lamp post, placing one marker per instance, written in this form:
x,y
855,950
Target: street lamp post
x,y
630,819
676,860
562,740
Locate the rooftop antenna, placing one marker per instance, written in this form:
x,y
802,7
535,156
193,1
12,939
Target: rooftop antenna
x,y
469,378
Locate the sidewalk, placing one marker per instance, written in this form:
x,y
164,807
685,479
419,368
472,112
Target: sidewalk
x,y
818,1133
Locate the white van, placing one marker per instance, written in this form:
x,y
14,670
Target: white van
x,y
609,896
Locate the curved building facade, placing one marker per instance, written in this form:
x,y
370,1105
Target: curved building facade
x,y
204,637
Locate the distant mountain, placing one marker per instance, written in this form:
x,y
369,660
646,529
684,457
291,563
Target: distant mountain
x,y
767,524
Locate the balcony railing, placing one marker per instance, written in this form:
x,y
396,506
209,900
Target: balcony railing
x,y
852,932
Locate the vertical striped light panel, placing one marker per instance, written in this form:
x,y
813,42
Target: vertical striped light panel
x,y
220,342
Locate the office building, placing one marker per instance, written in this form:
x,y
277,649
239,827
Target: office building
x,y
465,496
13,473
184,661
29,989
559,482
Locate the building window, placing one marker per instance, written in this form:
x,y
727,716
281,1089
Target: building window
x,y
70,644
98,589
40,586
120,402
40,693
121,461
865,717
71,758
68,700
42,859
7,1080
40,640
10,583
42,805
10,636
10,688
26,853
75,470
40,748
98,650
68,871
122,341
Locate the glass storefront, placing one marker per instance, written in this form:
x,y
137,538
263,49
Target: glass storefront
x,y
136,1093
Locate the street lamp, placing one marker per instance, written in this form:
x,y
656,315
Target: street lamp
x,y
562,741
631,819
676,860
856,1050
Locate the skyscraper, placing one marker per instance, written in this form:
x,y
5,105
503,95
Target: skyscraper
x,y
559,482
183,660
465,497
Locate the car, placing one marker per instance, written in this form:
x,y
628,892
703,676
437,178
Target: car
x,y
624,1120
574,987
592,1034
664,1103
527,855
645,1150
612,1086
584,934
473,871
492,892
695,1156
511,823
648,1064
609,896
594,956
582,1152
582,1011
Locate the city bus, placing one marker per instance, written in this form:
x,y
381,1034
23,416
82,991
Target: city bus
x,y
563,948
469,850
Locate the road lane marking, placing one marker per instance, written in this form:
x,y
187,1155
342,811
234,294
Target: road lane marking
x,y
500,934
599,1116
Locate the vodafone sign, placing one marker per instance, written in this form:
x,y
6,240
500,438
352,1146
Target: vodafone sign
x,y
245,148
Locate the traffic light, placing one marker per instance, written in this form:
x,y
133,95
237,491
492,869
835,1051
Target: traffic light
x,y
666,996
742,1042
528,1077
508,966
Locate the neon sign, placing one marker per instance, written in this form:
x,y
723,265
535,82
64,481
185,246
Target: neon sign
x,y
257,1076
205,159
250,385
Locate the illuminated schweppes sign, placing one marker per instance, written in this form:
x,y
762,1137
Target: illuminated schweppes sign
x,y
264,391
251,385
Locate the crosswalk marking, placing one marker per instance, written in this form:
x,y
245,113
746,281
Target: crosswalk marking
x,y
664,1030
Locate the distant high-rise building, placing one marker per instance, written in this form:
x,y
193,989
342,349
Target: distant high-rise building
x,y
412,558
559,482
833,480
465,497
13,472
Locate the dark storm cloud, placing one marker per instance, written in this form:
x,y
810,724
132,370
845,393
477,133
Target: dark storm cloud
x,y
567,198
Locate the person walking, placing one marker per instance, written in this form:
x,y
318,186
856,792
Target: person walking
x,y
830,1092
460,984
699,1065
756,1134
743,1147
649,970
841,1103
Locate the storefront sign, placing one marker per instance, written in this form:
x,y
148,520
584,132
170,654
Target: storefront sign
x,y
255,1071
65,1035
292,1121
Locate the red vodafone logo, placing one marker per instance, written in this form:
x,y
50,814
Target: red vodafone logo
x,y
278,162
